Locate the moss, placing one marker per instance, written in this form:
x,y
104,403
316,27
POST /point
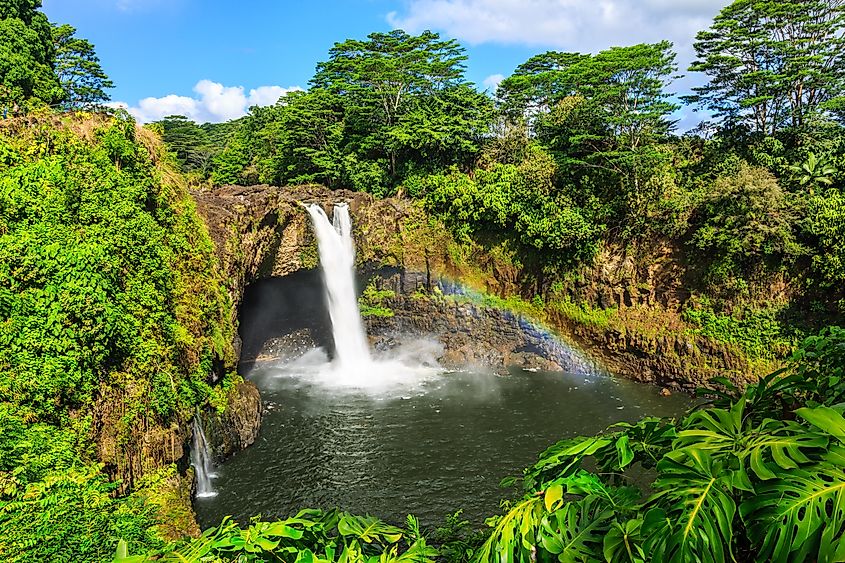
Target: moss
x,y
372,301
584,314
170,495
309,256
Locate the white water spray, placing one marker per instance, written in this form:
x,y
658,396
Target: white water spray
x,y
353,366
201,460
337,259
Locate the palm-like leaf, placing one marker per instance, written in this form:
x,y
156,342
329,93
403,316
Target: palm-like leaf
x,y
693,512
575,532
800,516
515,535
368,529
563,459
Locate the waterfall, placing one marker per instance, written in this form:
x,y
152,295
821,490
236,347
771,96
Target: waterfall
x,y
337,260
201,460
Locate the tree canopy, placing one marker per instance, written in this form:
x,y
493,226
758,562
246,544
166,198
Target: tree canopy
x,y
77,67
772,64
41,63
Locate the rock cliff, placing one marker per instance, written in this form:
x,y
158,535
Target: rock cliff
x,y
262,232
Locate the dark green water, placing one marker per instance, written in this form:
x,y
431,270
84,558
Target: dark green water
x,y
441,445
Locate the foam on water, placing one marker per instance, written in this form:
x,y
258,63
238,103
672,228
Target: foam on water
x,y
353,367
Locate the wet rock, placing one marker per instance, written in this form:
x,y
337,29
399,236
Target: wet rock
x,y
477,336
237,426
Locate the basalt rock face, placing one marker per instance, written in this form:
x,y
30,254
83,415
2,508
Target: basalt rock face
x,y
131,452
678,361
473,335
237,426
649,287
262,232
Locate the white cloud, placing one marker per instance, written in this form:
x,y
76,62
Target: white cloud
x,y
576,25
267,95
492,82
213,102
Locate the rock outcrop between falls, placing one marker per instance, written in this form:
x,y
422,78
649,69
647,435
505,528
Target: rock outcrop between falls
x,y
237,426
263,231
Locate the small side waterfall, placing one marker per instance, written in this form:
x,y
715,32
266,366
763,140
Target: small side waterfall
x,y
201,460
337,259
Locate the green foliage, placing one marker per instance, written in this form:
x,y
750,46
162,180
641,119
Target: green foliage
x,y
301,142
518,199
56,506
757,333
26,55
750,478
103,266
582,313
815,172
78,70
372,301
188,142
826,229
743,224
108,289
311,536
44,64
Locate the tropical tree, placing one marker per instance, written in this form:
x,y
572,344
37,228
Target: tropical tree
x,y
608,134
537,84
302,142
188,142
26,56
78,70
744,224
772,64
382,79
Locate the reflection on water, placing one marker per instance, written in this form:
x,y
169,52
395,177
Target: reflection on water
x,y
429,448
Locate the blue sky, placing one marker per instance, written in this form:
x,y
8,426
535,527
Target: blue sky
x,y
212,59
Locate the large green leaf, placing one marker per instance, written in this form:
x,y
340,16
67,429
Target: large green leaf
x,y
800,516
514,537
827,419
563,459
729,435
692,515
368,529
575,531
623,542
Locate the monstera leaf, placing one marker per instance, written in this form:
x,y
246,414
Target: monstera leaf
x,y
623,542
729,435
692,515
563,459
575,532
644,442
800,516
784,444
768,398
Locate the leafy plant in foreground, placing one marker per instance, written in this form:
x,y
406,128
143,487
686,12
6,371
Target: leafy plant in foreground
x,y
755,476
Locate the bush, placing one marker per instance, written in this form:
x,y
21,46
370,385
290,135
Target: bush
x,y
744,225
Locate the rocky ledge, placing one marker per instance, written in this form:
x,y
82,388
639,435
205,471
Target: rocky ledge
x,y
264,232
473,335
